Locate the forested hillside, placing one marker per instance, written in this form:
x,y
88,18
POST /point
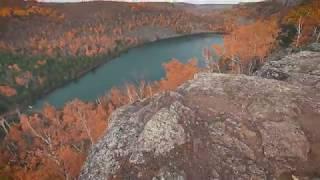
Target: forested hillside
x,y
43,46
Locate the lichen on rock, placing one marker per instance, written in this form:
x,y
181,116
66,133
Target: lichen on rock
x,y
219,126
162,132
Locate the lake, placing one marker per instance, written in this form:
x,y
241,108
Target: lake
x,y
140,63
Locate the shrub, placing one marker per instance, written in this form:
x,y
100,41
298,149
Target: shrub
x,y
306,19
53,144
248,44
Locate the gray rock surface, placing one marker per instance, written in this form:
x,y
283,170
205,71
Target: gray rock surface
x,y
215,126
302,69
313,47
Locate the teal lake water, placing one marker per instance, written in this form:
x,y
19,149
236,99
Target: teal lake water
x,y
140,63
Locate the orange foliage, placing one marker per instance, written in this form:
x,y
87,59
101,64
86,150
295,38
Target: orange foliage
x,y
53,144
105,33
138,6
5,12
14,67
82,41
28,11
248,42
24,78
41,62
177,73
7,91
306,18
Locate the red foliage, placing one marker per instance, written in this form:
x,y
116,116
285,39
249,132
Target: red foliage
x,y
177,73
306,18
7,90
248,43
100,35
53,144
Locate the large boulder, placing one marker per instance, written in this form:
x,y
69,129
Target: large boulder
x,y
302,69
313,47
215,126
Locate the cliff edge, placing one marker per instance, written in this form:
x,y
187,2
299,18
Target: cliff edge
x,y
219,126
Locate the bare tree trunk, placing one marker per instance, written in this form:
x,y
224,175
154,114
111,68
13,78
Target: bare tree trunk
x,y
51,155
98,101
240,67
218,67
317,35
129,94
141,90
38,135
4,125
299,30
233,63
18,112
84,124
250,69
315,31
150,90
132,93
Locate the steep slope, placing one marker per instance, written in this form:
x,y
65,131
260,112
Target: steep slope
x,y
48,45
215,127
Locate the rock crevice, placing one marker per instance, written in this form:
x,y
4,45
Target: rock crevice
x,y
217,126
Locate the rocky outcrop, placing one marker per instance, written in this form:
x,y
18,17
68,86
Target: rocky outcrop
x,y
301,69
215,126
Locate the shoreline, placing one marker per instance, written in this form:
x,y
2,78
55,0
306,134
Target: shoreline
x,y
104,59
99,61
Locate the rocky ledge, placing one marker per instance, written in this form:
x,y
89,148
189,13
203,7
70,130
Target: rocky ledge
x,y
219,126
301,69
